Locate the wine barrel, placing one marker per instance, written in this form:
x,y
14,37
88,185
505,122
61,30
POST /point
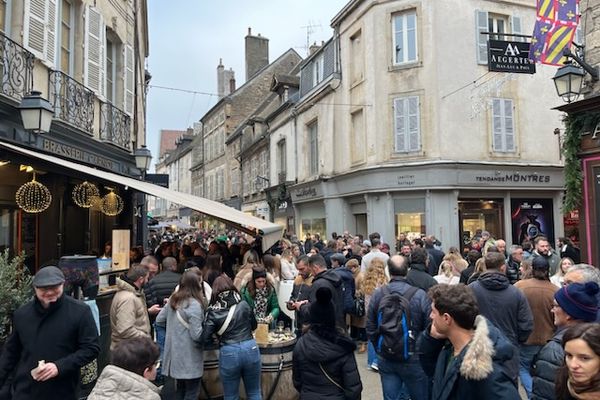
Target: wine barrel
x,y
276,371
211,387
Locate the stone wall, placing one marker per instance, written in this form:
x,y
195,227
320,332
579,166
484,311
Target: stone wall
x,y
591,22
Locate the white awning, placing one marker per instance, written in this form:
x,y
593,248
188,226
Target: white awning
x,y
271,232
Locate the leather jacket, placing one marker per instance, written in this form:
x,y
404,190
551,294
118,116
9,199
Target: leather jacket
x,y
241,326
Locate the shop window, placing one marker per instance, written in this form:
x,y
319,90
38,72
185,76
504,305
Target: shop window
x,y
312,226
410,217
481,215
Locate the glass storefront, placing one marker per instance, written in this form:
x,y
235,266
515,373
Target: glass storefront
x,y
480,215
410,217
312,226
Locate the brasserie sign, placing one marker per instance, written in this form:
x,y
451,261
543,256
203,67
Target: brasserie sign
x,y
506,56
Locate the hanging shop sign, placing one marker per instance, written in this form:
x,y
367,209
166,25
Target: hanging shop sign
x,y
504,56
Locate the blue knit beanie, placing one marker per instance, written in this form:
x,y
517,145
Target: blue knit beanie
x,y
579,300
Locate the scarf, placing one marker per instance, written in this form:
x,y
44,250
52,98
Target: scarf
x,y
225,300
260,303
585,391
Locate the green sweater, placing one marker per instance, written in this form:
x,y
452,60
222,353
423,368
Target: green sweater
x,y
272,303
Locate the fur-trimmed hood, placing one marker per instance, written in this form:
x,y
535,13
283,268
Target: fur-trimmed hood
x,y
488,345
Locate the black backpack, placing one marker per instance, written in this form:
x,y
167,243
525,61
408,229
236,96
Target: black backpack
x,y
394,339
348,288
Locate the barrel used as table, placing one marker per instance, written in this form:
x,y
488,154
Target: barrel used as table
x,y
276,371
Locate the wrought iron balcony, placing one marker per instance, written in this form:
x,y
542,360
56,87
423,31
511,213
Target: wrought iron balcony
x,y
16,69
73,103
115,126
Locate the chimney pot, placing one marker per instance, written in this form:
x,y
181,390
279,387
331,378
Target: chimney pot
x,y
249,31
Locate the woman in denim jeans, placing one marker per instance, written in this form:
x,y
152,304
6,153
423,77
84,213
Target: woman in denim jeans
x,y
232,320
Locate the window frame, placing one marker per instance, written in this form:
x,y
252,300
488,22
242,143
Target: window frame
x,y
59,35
111,70
503,117
318,69
406,122
312,129
405,40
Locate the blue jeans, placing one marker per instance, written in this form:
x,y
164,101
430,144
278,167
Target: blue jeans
x,y
371,354
408,374
161,333
240,361
526,355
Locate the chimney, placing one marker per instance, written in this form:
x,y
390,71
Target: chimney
x,y
313,48
257,54
224,80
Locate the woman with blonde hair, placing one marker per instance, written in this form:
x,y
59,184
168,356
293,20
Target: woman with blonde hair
x,y
525,269
250,261
480,268
565,264
374,279
446,274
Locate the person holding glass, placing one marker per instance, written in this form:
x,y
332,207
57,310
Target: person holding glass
x,y
260,294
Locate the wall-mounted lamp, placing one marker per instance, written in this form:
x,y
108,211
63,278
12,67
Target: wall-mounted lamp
x,y
569,78
36,113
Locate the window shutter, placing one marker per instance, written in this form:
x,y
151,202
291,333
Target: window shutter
x,y
516,28
497,122
481,17
128,79
509,126
39,30
94,59
399,125
413,124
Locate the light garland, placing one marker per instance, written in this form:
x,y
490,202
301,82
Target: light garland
x,y
33,197
112,204
85,194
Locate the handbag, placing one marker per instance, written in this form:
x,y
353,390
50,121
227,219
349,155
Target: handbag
x,y
347,393
359,305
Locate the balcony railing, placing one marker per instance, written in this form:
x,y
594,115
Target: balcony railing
x,y
115,126
73,103
16,69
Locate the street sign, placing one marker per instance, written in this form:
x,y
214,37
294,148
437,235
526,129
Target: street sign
x,y
504,56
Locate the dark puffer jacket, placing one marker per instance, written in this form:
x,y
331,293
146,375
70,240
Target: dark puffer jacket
x,y
545,368
161,287
313,352
478,372
331,280
419,277
512,270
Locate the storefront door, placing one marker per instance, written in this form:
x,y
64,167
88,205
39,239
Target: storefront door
x,y
480,215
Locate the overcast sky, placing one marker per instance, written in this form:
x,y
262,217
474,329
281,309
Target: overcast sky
x,y
188,37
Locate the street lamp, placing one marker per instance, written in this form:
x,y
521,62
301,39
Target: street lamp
x,y
569,78
36,112
143,157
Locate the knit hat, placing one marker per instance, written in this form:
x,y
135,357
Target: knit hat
x,y
540,263
258,273
579,300
367,243
321,311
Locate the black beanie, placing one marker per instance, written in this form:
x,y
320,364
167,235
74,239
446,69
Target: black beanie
x,y
322,311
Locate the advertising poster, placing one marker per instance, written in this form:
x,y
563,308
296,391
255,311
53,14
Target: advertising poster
x,y
531,218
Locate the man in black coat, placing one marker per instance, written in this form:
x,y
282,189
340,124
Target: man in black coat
x,y
53,337
324,277
163,284
418,275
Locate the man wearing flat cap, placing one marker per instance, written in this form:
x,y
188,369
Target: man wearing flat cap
x,y
53,336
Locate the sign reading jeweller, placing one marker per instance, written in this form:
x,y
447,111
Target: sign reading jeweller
x,y
506,56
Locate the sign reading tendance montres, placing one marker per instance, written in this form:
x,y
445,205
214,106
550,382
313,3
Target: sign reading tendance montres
x,y
506,56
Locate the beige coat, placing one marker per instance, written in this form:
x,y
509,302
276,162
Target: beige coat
x,y
119,384
128,314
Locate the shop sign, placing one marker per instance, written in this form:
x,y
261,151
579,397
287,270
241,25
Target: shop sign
x,y
504,56
306,192
531,218
513,177
158,179
406,180
75,153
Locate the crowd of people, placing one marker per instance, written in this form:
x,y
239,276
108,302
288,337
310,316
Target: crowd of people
x,y
463,324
